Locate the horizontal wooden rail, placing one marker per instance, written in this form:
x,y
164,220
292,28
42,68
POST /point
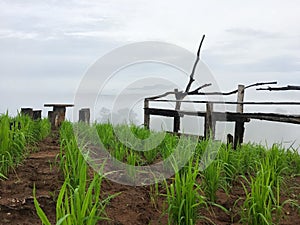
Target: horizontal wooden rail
x,y
227,116
226,102
294,119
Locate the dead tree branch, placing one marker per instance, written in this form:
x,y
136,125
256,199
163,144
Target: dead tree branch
x,y
199,88
194,67
162,95
287,88
234,91
179,94
260,84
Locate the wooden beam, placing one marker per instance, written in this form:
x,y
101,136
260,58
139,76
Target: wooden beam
x,y
229,103
228,116
294,119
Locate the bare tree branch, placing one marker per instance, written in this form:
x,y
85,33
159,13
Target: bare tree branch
x,y
261,83
197,89
287,88
162,95
234,91
195,92
194,67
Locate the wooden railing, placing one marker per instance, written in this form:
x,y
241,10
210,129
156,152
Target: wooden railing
x,y
211,116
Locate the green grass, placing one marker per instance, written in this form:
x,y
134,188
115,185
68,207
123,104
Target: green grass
x,y
183,195
79,200
191,190
16,134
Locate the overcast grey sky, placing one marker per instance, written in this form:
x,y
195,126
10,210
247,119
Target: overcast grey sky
x,y
47,46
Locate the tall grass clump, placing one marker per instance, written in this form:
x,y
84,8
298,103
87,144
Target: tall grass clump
x,y
259,202
183,196
212,179
16,134
79,200
262,204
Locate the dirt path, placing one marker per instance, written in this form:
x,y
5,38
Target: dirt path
x,y
16,201
131,206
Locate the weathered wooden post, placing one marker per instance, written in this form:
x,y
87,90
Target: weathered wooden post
x,y
210,122
27,111
146,114
37,114
51,118
229,139
84,115
239,126
176,123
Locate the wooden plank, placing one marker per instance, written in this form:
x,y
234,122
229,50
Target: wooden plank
x,y
58,105
228,102
161,112
218,116
294,119
229,116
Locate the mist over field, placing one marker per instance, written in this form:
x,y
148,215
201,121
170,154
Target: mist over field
x,y
47,47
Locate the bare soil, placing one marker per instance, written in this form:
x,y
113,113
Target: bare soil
x,y
16,193
132,206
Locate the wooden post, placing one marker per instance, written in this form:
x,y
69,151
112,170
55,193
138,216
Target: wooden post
x,y
239,126
229,139
84,115
27,111
37,114
60,115
146,115
176,123
51,119
209,123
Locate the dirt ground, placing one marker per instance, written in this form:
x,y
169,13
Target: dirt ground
x,y
16,193
133,206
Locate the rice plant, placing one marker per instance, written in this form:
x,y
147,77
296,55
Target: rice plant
x,y
258,205
212,179
79,200
15,135
262,204
183,196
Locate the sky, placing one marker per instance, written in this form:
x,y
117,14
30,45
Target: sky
x,y
46,47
